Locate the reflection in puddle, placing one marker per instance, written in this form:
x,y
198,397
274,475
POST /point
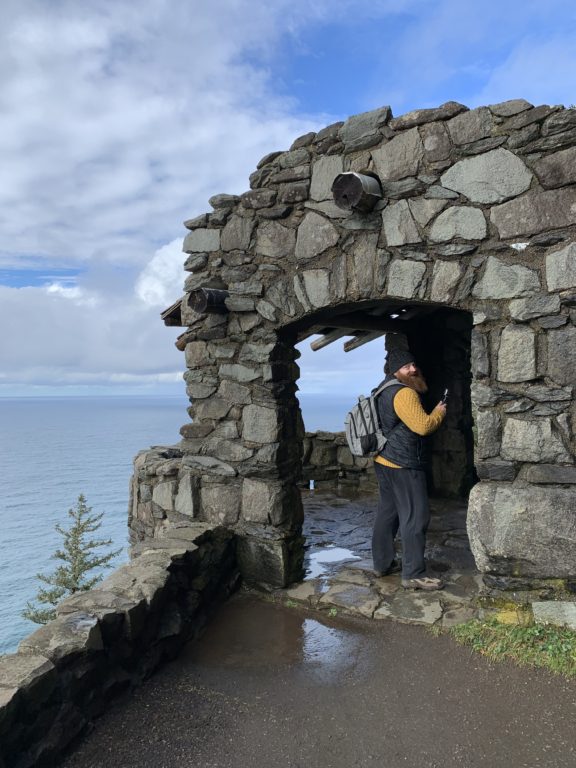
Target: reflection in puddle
x,y
318,561
256,637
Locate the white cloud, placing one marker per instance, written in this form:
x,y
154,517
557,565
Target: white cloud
x,y
120,120
160,282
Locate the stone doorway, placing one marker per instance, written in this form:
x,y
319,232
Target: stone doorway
x,y
339,493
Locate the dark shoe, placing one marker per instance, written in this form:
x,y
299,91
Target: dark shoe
x,y
425,583
396,567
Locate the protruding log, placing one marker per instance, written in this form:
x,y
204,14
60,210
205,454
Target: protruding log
x,y
208,300
356,191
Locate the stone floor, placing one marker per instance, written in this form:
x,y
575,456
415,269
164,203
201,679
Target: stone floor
x,y
339,576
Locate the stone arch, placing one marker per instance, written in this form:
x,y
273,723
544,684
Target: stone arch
x,y
478,214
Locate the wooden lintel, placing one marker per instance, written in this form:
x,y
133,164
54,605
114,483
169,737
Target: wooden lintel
x,y
363,322
361,339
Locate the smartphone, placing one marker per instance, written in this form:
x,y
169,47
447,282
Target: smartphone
x,y
445,397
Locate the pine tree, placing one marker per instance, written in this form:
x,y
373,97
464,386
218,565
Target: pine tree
x,y
78,559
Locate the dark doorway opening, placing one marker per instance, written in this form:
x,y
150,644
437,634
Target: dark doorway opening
x,y
339,513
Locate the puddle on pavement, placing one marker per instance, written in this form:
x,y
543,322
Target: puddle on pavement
x,y
319,562
258,636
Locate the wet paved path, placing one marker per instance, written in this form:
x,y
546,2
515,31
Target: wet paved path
x,y
272,686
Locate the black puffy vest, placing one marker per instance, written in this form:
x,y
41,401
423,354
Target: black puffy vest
x,y
403,447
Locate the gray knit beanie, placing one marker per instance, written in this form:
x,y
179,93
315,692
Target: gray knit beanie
x,y
398,358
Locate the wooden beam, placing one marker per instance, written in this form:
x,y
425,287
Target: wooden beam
x,y
361,339
329,337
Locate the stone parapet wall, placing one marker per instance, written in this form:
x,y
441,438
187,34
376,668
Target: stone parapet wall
x,y
327,460
107,640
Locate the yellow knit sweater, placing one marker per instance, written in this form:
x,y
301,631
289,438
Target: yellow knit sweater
x,y
408,408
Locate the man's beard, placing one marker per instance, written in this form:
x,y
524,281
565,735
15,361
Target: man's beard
x,y
415,381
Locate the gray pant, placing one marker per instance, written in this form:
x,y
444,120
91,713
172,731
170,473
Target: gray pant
x,y
403,505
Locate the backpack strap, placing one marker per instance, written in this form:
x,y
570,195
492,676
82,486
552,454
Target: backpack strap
x,y
378,391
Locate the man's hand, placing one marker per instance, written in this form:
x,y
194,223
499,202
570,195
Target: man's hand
x,y
441,407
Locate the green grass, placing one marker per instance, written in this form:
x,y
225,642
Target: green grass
x,y
553,648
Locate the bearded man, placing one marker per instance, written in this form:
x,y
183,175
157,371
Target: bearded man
x,y
400,471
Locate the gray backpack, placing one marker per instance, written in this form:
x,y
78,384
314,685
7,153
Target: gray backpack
x,y
362,426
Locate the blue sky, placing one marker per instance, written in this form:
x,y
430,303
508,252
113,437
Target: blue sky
x,y
121,119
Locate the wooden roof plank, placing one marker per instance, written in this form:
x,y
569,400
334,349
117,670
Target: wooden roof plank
x,y
329,338
361,339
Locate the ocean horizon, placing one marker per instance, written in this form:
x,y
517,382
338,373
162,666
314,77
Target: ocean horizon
x,y
54,448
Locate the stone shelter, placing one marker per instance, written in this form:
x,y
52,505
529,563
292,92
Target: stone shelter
x,y
451,228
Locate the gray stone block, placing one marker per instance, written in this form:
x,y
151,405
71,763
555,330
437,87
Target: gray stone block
x,y
363,261
505,281
315,235
324,171
66,636
562,355
445,277
209,465
186,500
237,233
220,504
424,210
491,177
274,240
404,277
557,612
363,125
533,441
517,354
399,226
260,425
534,306
534,115
288,175
459,221
470,126
536,211
560,121
437,145
509,108
201,240
258,198
163,495
561,268
489,430
520,531
480,357
495,470
400,157
558,169
422,116
551,474
317,286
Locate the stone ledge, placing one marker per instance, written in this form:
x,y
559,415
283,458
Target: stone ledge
x,y
107,640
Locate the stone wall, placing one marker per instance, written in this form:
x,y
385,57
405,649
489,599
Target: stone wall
x,y
327,461
109,639
478,216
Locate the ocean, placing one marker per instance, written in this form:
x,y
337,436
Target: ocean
x,y
54,449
